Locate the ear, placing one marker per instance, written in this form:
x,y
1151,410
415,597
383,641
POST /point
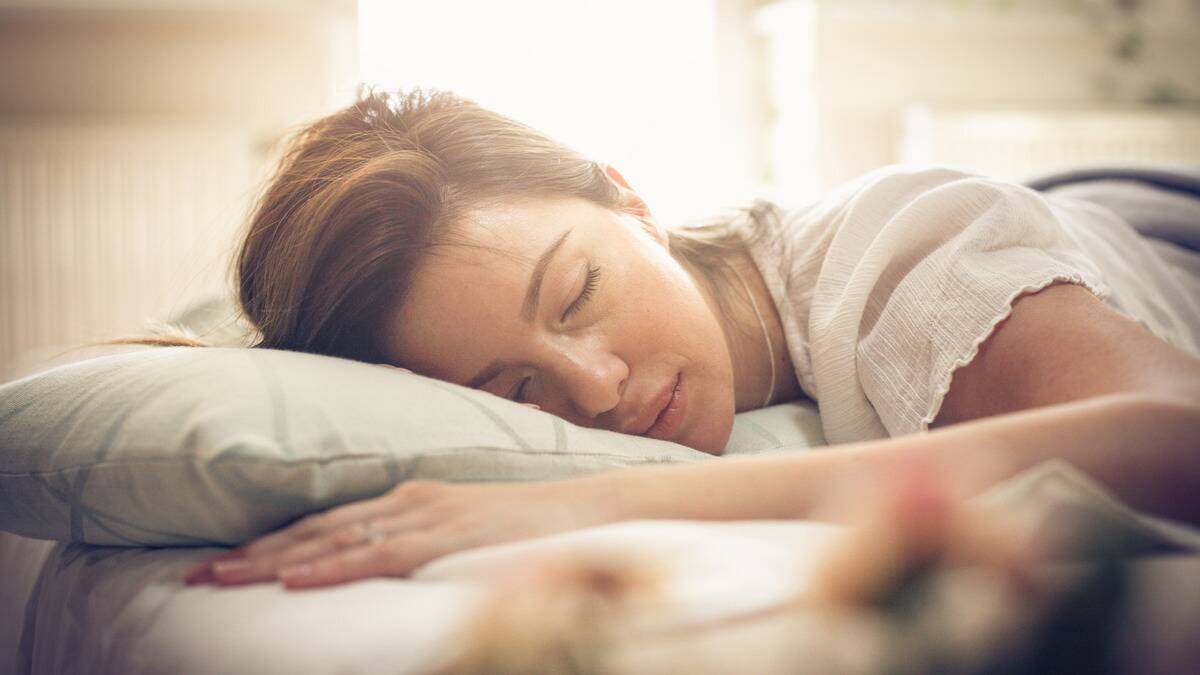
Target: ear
x,y
632,203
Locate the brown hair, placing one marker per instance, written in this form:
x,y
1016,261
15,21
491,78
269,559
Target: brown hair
x,y
362,194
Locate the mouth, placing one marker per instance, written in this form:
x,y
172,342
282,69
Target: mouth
x,y
669,419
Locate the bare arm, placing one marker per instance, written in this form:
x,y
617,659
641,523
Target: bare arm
x,y
1142,446
1062,345
1064,377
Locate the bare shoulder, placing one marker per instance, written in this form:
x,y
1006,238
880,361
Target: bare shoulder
x,y
1064,344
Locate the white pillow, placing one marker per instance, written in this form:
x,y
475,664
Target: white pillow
x,y
180,445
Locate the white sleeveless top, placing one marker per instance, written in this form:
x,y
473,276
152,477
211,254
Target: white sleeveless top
x,y
894,280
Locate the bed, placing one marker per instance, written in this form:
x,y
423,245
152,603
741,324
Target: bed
x,y
119,472
71,607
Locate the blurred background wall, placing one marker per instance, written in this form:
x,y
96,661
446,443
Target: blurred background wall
x,y
134,134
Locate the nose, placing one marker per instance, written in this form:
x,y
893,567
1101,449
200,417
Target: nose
x,y
592,377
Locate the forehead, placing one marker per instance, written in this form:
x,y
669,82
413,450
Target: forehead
x,y
509,237
514,232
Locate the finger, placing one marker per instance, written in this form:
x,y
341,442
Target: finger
x,y
359,533
201,572
266,567
395,557
321,524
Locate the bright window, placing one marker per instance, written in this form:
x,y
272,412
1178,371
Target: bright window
x,y
628,82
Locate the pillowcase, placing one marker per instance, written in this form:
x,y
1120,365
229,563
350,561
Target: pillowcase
x,y
179,445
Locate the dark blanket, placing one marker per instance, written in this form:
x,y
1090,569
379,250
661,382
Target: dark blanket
x,y
1159,199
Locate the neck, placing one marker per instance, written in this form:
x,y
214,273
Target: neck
x,y
748,347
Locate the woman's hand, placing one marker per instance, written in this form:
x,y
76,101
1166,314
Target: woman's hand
x,y
410,525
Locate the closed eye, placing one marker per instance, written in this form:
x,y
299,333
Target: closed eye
x,y
589,287
519,394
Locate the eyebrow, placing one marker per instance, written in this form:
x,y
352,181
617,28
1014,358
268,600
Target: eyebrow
x,y
539,273
529,308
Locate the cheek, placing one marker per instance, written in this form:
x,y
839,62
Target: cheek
x,y
712,413
711,422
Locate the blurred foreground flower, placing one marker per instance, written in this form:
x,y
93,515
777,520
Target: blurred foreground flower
x,y
559,615
922,582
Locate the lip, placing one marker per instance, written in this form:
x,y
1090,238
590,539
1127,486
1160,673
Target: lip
x,y
647,416
670,416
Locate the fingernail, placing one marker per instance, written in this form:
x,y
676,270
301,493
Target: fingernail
x,y
403,370
202,572
224,568
295,573
532,405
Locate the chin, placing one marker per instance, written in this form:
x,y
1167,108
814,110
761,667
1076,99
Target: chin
x,y
711,438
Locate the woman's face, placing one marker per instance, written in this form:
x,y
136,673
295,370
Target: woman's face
x,y
578,309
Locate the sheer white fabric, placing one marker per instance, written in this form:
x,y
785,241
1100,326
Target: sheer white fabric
x,y
893,281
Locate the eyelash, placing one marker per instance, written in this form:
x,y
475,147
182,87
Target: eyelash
x,y
589,287
593,278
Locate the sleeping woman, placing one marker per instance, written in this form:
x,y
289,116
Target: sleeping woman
x,y
938,318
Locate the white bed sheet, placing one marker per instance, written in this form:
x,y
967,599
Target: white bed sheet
x,y
71,608
76,608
